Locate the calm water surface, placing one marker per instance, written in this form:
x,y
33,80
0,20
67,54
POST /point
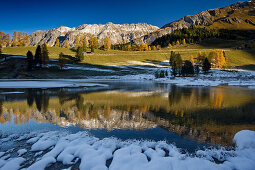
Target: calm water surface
x,y
190,117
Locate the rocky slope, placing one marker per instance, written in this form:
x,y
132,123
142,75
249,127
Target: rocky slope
x,y
240,15
118,33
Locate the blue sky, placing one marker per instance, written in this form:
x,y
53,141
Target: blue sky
x,y
31,15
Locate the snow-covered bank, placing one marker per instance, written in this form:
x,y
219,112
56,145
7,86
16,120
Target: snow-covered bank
x,y
46,148
45,84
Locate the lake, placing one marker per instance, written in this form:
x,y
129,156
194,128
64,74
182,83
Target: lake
x,y
189,117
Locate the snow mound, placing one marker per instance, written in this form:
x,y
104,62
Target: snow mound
x,y
245,139
88,152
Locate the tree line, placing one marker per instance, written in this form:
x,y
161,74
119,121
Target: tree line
x,y
18,39
197,34
216,58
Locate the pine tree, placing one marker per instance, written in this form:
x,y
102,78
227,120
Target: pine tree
x,y
61,61
38,57
188,68
174,69
79,54
197,69
85,44
45,55
77,43
30,60
107,43
172,58
67,44
96,45
57,43
206,65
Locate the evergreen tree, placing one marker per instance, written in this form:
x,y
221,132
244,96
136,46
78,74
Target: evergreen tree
x,y
45,55
38,57
61,61
172,58
79,54
206,65
197,69
187,68
174,69
67,44
178,61
30,60
57,44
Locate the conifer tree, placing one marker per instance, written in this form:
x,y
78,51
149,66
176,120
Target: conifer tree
x,y
174,69
67,44
57,43
85,44
107,43
38,57
91,44
188,68
220,60
172,58
77,43
96,45
45,55
61,61
30,60
184,41
79,54
206,65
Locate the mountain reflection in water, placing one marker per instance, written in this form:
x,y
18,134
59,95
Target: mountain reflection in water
x,y
207,114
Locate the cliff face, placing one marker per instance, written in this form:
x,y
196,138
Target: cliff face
x,y
240,15
118,33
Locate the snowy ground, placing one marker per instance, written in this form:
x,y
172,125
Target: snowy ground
x,y
58,150
45,83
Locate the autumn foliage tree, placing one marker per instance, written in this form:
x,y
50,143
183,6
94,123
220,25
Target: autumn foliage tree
x,y
220,60
57,44
67,44
107,43
85,44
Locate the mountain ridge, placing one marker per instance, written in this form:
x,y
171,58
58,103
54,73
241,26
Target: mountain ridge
x,y
118,33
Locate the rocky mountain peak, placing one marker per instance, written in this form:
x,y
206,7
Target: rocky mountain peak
x,y
118,33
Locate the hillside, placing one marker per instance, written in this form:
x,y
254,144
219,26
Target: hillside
x,y
238,16
118,33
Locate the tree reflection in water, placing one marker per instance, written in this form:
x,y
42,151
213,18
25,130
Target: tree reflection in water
x,y
208,114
